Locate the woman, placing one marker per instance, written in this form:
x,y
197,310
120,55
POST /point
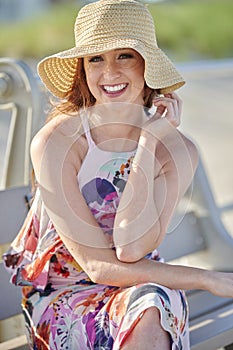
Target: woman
x,y
110,174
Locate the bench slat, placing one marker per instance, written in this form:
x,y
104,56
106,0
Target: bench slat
x,y
186,229
10,301
213,330
13,212
18,343
202,302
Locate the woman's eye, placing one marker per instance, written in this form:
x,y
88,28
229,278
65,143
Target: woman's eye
x,y
96,59
125,56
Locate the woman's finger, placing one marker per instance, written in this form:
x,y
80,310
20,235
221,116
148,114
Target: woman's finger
x,y
178,100
169,107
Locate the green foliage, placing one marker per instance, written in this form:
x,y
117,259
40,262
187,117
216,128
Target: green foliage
x,y
40,36
186,29
191,29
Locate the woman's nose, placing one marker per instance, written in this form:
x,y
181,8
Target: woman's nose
x,y
111,68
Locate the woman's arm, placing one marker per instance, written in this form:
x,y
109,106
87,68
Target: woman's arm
x,y
162,170
103,267
56,159
57,152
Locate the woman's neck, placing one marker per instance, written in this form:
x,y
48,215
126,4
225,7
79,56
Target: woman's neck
x,y
116,126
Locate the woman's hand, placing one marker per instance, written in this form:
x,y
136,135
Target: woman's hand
x,y
167,116
169,107
219,283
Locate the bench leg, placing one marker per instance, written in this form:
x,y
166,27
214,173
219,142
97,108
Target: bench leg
x,y
229,347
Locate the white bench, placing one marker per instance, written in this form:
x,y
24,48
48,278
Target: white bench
x,y
22,103
197,237
201,239
12,214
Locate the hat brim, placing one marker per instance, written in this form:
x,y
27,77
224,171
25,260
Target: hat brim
x,y
58,71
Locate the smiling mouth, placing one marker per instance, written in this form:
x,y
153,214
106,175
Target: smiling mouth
x,y
114,89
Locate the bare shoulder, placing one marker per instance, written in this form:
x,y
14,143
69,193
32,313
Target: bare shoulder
x,y
61,134
190,148
63,125
176,147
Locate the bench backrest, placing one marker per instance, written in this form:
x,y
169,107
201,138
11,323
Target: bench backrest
x,y
197,230
13,210
21,114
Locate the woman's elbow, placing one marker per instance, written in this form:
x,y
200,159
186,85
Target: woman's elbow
x,y
105,277
95,272
100,274
95,278
129,254
138,249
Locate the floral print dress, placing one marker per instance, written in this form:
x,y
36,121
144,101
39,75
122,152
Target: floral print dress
x,y
63,308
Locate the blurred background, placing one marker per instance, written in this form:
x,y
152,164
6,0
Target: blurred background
x,y
196,34
187,29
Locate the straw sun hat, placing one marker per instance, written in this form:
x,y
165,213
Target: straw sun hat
x,y
105,25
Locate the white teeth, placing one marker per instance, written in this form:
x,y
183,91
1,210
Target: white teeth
x,y
115,88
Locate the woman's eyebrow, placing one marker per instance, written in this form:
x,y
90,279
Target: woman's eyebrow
x,y
123,49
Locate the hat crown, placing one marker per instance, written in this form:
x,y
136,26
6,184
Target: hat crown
x,y
109,25
107,20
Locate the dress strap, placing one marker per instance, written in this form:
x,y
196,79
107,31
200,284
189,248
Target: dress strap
x,y
86,127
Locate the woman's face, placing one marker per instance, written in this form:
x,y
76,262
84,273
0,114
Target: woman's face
x,y
116,76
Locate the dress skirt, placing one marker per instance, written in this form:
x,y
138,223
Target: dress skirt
x,y
101,317
87,316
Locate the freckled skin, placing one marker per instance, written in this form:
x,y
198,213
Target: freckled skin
x,y
115,68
